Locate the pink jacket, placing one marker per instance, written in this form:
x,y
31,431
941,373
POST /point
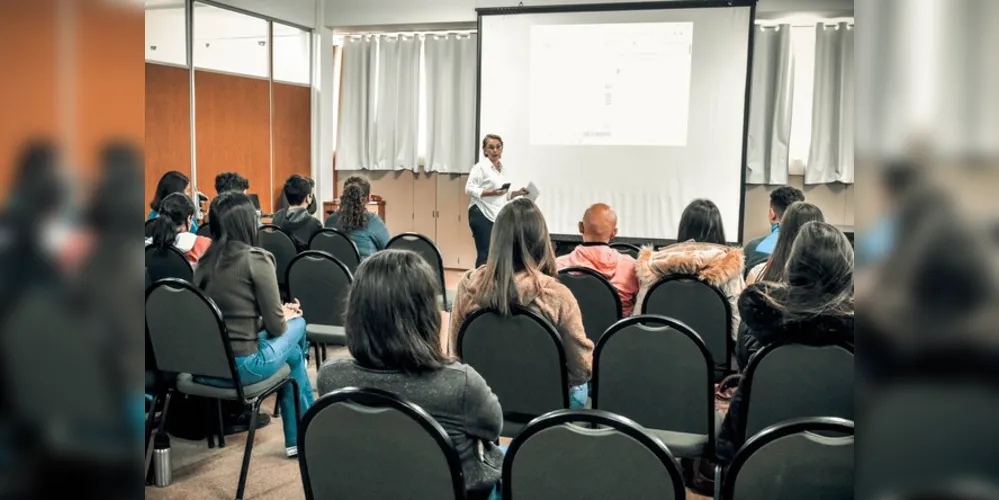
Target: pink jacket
x,y
618,268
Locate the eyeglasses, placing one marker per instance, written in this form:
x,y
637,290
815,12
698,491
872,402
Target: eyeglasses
x,y
495,147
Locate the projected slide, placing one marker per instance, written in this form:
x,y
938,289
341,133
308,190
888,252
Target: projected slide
x,y
610,84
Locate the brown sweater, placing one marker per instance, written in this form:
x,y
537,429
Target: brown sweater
x,y
544,295
244,286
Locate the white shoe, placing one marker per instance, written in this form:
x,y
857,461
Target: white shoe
x,y
291,451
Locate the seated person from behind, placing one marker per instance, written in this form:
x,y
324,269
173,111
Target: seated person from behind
x,y
599,227
392,327
265,334
171,182
365,229
231,181
173,227
758,250
521,270
700,251
296,220
813,306
773,268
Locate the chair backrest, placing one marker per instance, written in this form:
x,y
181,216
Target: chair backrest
x,y
337,244
555,457
698,305
521,358
424,247
661,356
789,381
922,435
205,229
168,263
805,458
626,248
598,299
148,227
367,443
187,332
320,283
277,242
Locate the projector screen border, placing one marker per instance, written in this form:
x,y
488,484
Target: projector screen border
x,y
621,6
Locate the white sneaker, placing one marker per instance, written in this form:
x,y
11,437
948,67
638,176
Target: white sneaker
x,y
291,451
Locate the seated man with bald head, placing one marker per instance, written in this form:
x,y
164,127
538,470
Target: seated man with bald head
x,y
599,227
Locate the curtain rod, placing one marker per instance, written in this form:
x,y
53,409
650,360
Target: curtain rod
x,y
410,33
803,24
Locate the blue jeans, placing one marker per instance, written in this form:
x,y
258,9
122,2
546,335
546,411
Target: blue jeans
x,y
577,396
289,349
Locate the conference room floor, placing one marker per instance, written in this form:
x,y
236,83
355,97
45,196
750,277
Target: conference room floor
x,y
208,474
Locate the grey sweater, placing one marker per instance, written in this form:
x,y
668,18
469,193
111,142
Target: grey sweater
x,y
456,396
243,284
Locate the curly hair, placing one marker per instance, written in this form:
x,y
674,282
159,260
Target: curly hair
x,y
353,212
783,197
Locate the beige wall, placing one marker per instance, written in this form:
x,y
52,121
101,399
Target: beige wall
x,y
436,205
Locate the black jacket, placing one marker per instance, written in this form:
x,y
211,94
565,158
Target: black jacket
x,y
764,324
298,224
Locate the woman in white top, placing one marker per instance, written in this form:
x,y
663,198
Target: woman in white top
x,y
489,192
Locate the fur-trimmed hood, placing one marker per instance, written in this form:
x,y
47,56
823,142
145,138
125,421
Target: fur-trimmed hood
x,y
712,263
769,324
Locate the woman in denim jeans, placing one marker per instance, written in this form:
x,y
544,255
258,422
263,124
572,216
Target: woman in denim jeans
x,y
264,333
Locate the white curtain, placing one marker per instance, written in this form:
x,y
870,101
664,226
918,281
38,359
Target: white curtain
x,y
769,135
356,128
450,93
830,158
397,108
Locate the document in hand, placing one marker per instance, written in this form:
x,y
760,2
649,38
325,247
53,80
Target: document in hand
x,y
532,191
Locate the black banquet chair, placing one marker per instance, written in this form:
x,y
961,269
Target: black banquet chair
x,y
168,263
626,248
148,227
521,358
205,229
699,306
598,299
809,458
189,337
278,243
556,457
337,244
428,250
790,381
320,283
368,443
658,372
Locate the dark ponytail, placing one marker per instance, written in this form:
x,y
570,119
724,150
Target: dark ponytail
x,y
175,209
353,210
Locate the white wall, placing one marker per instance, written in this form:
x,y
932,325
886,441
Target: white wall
x,y
301,12
343,13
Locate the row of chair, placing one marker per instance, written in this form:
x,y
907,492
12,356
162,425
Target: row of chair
x,y
588,454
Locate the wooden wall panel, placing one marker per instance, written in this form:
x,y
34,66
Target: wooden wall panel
x,y
168,123
28,52
232,131
292,135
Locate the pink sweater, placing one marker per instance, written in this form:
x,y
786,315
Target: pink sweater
x,y
618,268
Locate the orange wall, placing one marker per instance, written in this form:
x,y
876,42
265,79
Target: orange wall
x,y
168,124
292,134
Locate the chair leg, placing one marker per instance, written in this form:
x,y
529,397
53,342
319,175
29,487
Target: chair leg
x,y
206,410
149,432
220,428
324,354
159,429
254,408
718,479
277,408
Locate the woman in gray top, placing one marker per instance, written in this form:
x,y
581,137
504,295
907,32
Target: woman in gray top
x,y
393,333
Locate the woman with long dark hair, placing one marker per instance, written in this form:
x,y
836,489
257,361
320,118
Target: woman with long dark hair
x,y
699,251
242,281
172,227
171,182
813,306
366,229
774,268
521,270
393,334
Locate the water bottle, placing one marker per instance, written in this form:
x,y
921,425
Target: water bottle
x,y
162,466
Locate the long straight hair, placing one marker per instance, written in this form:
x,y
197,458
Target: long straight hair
x,y
175,210
171,182
819,274
701,221
353,210
519,242
796,215
392,320
233,230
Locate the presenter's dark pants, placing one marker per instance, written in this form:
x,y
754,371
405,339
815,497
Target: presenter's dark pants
x,y
481,229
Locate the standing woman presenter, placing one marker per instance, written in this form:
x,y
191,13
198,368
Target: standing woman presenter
x,y
489,192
